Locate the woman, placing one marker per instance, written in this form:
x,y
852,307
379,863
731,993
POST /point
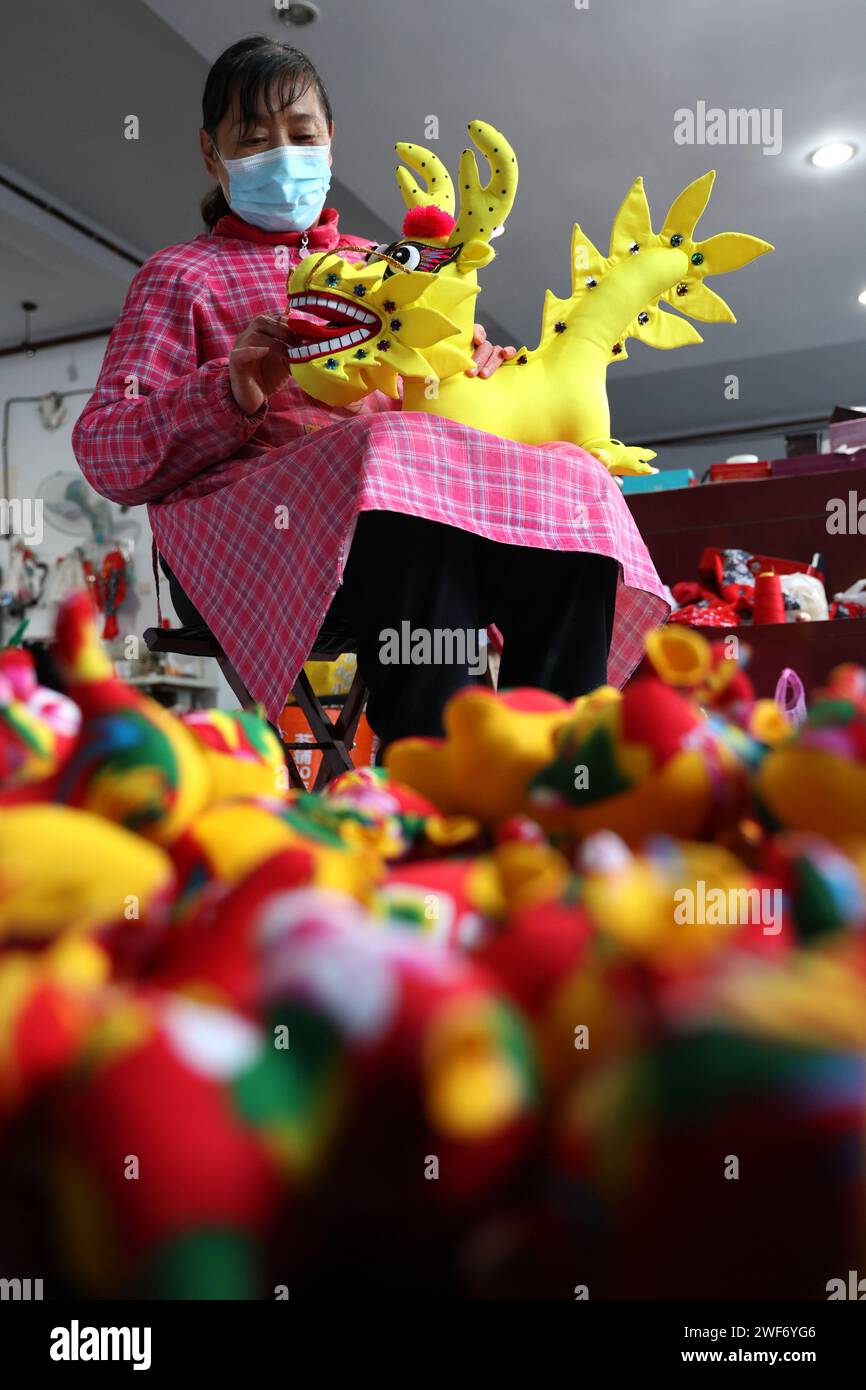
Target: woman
x,y
285,522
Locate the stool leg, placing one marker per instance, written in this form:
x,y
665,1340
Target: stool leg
x,y
236,684
336,738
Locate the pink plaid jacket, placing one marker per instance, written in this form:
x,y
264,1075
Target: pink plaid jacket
x,y
254,513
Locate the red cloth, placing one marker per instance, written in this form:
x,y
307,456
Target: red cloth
x,y
162,427
325,236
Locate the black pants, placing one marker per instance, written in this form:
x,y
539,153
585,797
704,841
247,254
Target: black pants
x,y
554,609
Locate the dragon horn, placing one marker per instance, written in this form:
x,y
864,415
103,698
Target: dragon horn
x,y
482,209
428,168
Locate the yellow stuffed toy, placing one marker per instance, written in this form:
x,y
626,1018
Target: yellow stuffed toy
x,y
493,746
816,779
67,871
647,760
409,312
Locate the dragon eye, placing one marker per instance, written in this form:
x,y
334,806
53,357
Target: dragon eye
x,y
408,255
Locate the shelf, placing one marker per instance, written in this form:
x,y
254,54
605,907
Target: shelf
x,y
772,516
810,649
175,682
785,517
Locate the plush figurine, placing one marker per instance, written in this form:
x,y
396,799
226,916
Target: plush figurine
x,y
826,889
230,839
243,754
169,1152
135,763
717,679
214,952
816,780
65,872
37,726
493,746
446,900
430,1050
132,761
648,762
411,824
409,311
664,1162
845,682
27,743
48,1002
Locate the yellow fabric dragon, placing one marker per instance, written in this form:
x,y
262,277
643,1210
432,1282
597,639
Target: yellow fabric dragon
x,y
409,311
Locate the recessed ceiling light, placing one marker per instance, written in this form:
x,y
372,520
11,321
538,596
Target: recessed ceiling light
x,y
296,11
830,156
861,298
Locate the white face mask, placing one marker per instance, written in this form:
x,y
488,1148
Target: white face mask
x,y
279,190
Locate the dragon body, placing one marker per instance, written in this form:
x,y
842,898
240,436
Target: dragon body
x,y
408,313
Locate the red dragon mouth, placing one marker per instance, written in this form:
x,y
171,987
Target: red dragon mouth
x,y
332,311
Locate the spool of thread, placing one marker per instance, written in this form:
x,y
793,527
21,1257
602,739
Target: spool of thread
x,y
769,606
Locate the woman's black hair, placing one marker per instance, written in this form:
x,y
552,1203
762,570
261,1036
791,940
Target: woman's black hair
x,y
251,68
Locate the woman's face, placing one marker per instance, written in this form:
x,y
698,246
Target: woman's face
x,y
302,122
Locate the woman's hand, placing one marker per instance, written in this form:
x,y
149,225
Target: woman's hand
x,y
488,356
258,365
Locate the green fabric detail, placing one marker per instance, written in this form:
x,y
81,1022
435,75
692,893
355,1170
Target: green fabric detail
x,y
287,1085
211,1264
815,910
597,753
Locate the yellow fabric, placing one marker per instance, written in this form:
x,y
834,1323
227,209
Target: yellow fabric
x,y
488,756
813,789
330,677
67,870
558,390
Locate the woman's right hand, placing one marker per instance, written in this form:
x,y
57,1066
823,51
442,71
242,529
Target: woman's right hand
x,y
258,366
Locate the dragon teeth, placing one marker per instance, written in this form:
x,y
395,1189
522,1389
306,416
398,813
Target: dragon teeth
x,y
325,301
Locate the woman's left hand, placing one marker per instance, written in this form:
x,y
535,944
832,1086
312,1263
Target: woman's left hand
x,y
487,356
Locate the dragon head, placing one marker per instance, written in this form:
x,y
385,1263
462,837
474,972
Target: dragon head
x,y
408,311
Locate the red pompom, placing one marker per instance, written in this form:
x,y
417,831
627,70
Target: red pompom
x,y
428,221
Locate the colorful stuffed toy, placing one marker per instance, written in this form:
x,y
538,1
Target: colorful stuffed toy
x,y
442,1014
410,824
49,1001
132,762
429,1047
37,726
65,872
492,747
243,754
825,889
666,1161
168,1152
714,674
229,840
409,311
648,762
816,779
138,765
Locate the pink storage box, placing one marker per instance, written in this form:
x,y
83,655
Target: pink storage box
x,y
848,433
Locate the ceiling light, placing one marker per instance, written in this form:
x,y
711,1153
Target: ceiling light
x,y
296,11
830,156
861,298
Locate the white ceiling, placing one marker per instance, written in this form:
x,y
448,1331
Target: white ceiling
x,y
587,97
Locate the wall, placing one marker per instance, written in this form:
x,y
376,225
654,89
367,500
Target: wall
x,y
34,452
